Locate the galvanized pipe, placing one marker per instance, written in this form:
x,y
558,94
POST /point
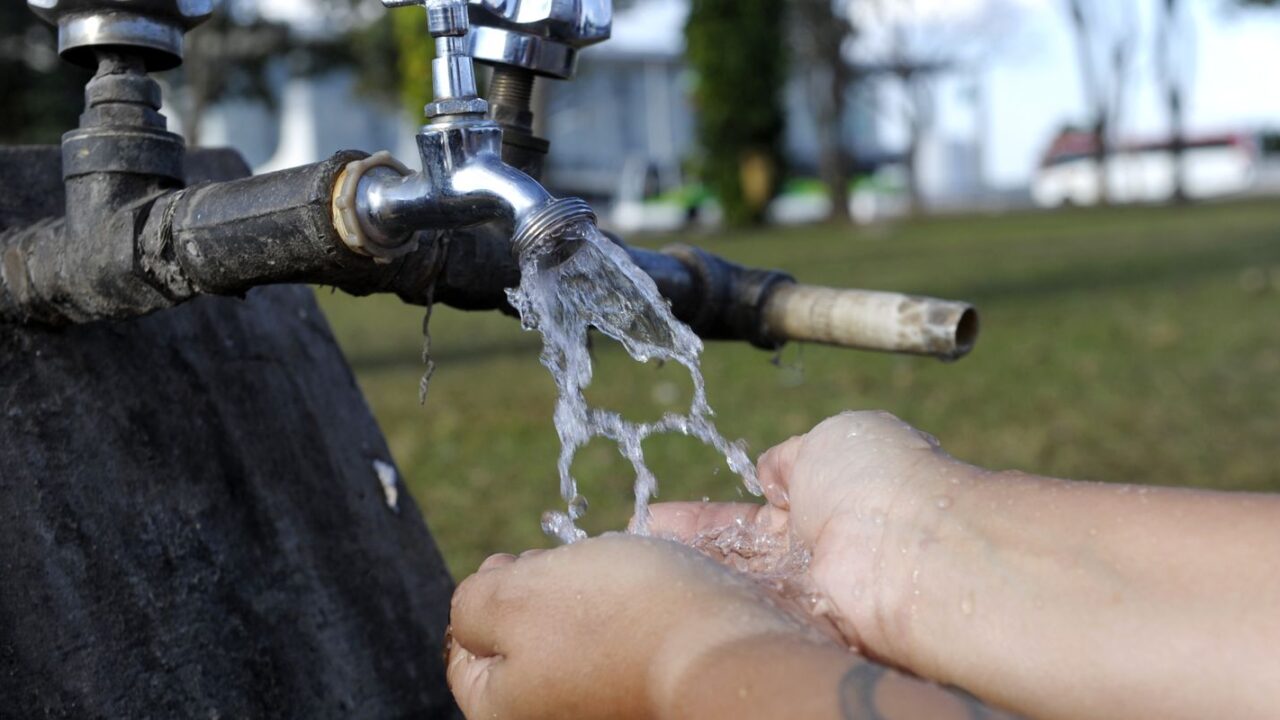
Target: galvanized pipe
x,y
870,320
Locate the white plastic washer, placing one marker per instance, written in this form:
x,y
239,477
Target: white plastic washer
x,y
347,221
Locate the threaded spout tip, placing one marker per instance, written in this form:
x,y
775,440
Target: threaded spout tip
x,y
543,232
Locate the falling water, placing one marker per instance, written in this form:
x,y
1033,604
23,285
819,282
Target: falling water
x,y
598,286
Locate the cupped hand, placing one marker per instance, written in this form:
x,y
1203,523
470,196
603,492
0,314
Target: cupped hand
x,y
603,628
859,491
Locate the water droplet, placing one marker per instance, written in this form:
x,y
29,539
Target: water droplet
x,y
578,507
943,502
560,526
966,604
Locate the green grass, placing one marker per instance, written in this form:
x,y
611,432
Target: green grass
x,y
1129,345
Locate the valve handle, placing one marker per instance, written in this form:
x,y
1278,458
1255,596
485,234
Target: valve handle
x,y
453,76
445,18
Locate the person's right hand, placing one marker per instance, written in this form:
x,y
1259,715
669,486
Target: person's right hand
x,y
860,491
1050,597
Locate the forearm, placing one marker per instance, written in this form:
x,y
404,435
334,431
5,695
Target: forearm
x,y
775,677
1084,600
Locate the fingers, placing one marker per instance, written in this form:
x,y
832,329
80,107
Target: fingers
x,y
472,667
685,521
774,471
496,561
479,684
872,427
476,610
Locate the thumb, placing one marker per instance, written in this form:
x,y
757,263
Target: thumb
x,y
774,471
474,681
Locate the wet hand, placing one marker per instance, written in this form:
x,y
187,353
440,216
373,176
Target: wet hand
x,y
860,491
604,628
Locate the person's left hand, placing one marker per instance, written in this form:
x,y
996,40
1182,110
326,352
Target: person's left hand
x,y
603,628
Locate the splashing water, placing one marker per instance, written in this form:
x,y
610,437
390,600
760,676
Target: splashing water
x,y
598,286
779,561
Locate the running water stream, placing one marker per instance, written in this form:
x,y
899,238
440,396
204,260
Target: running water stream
x,y
598,286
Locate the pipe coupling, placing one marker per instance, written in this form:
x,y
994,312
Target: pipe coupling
x,y
346,215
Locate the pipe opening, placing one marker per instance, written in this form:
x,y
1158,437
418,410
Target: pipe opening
x,y
550,234
966,332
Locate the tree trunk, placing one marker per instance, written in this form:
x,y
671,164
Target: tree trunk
x,y
1168,49
1177,150
915,193
1101,155
819,34
833,165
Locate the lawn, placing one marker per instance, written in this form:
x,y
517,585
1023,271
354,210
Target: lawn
x,y
1134,345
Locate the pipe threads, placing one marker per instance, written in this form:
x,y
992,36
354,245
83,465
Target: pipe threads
x,y
512,87
539,231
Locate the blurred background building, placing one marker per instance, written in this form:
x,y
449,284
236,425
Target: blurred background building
x,y
943,106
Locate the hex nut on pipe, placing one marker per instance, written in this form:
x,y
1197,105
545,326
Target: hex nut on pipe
x,y
870,320
346,219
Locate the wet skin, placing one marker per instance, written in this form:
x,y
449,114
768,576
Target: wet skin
x,y
1052,598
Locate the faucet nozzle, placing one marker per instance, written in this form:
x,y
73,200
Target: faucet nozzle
x,y
546,231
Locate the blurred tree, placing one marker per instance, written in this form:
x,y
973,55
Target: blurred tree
x,y
232,55
414,51
915,44
227,56
42,95
820,33
736,49
1175,63
1105,33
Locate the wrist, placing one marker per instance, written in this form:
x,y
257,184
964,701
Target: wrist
x,y
900,527
776,674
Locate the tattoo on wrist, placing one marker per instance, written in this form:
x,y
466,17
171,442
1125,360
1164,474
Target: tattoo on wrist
x,y
857,694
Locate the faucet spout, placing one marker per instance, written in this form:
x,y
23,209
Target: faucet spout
x,y
463,182
499,190
379,206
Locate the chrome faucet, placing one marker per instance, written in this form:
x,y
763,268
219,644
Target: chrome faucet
x,y
540,37
380,205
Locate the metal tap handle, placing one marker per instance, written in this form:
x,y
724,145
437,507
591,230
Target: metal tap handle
x,y
539,36
453,75
575,23
150,29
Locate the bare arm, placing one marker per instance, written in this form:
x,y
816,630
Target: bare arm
x,y
1057,599
633,628
1087,600
772,678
